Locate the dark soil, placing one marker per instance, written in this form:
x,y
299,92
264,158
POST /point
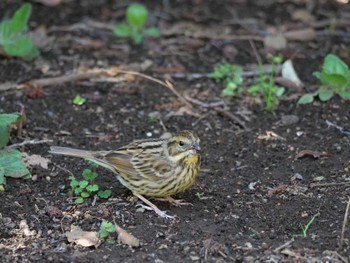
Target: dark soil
x,y
257,192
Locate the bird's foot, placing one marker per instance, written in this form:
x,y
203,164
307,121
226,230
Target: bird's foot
x,y
175,202
151,206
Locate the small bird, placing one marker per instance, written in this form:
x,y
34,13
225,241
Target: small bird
x,y
153,167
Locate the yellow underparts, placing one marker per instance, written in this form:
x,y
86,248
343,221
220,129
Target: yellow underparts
x,y
192,159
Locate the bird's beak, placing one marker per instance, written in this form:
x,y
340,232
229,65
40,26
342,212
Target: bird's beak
x,y
195,148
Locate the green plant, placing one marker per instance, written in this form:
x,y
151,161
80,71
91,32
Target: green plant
x,y
199,195
335,79
106,229
136,17
13,39
305,228
86,187
266,86
231,76
79,100
10,159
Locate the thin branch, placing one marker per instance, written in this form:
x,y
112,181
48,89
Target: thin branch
x,y
30,142
345,221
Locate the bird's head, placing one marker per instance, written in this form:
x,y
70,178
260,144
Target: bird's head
x,y
183,144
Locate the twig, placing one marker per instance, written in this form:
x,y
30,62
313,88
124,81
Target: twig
x,y
232,117
258,58
341,129
345,221
40,83
30,142
284,245
204,104
328,184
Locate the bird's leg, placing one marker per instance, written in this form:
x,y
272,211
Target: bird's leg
x,y
175,202
153,207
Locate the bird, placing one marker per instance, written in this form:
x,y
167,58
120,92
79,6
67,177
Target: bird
x,y
156,168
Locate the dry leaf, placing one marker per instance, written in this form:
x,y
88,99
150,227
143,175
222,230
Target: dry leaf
x,y
270,135
126,238
275,41
303,15
306,34
289,73
314,154
83,238
34,159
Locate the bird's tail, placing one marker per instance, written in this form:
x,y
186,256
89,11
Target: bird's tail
x,y
96,157
72,152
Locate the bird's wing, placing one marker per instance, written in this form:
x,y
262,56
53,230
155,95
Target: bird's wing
x,y
152,165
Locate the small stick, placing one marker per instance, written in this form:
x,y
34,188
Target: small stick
x,y
345,221
284,245
328,184
341,129
30,142
232,117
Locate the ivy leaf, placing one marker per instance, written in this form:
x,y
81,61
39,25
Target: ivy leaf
x,y
10,162
325,94
306,98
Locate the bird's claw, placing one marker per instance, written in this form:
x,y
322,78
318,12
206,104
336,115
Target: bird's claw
x,y
159,212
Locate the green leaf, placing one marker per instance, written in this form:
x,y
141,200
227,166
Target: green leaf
x,y
84,194
89,175
152,32
5,121
92,188
109,227
79,200
74,183
5,32
279,92
136,15
345,94
83,184
306,98
10,161
137,37
79,100
2,175
22,47
122,30
103,233
20,19
334,65
325,94
104,194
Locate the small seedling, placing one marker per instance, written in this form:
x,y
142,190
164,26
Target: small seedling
x,y
85,188
10,159
13,39
200,195
231,76
335,79
136,17
106,229
305,228
79,100
266,86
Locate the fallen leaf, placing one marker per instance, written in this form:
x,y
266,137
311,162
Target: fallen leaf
x,y
303,15
276,41
34,159
289,73
314,154
270,135
306,34
83,238
126,238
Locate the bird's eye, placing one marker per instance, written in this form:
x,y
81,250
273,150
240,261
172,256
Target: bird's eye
x,y
181,143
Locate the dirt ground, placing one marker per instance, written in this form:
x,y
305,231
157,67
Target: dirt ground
x,y
263,174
